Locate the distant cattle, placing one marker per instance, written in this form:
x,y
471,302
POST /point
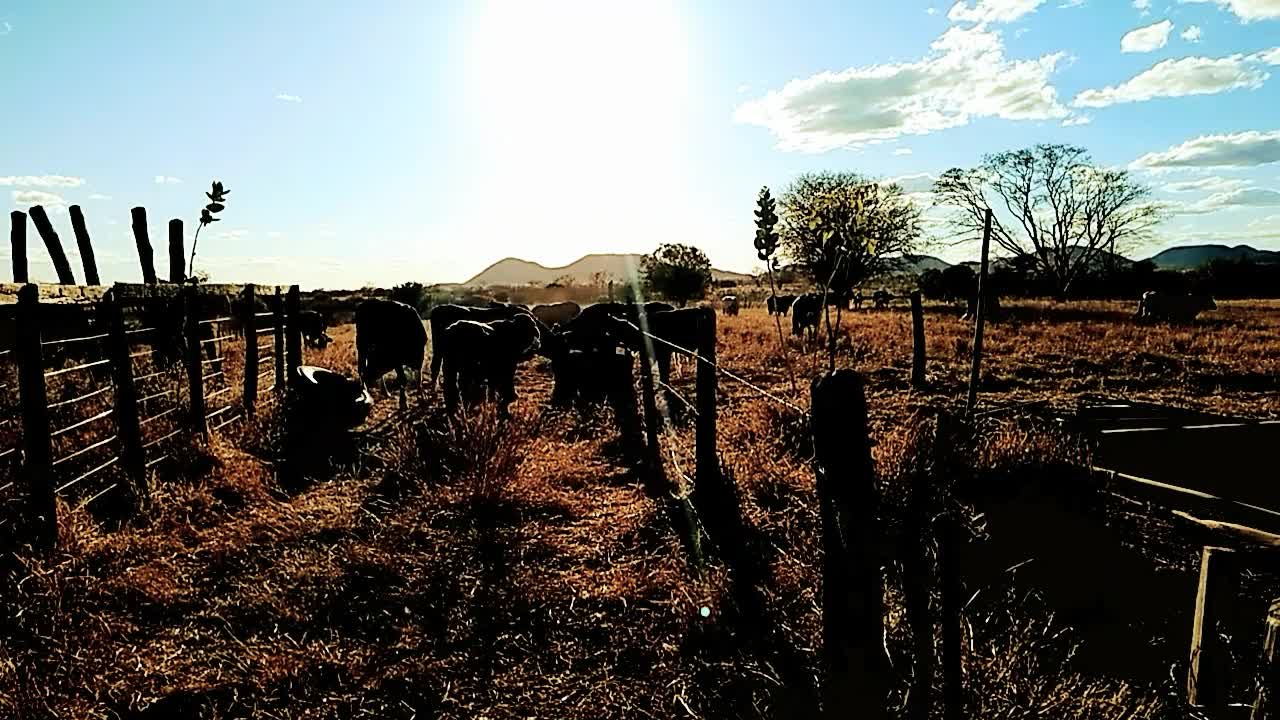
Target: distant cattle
x,y
780,304
805,313
881,298
311,325
1156,305
482,358
992,309
389,336
442,316
857,300
557,314
730,304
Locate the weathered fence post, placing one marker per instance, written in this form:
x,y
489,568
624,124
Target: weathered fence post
x,y
142,237
195,367
41,521
917,342
85,245
1209,675
715,494
277,310
949,575
128,427
293,331
18,244
249,326
177,260
975,374
918,585
1266,705
54,244
854,661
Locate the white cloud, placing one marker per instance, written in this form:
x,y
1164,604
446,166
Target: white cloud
x,y
286,97
1147,38
42,181
99,196
1213,184
231,234
274,234
167,180
1245,149
1075,120
743,88
1231,200
992,11
918,184
1246,10
902,151
1072,4
1191,34
1272,221
966,75
5,28
1177,78
931,11
1143,5
1270,57
27,198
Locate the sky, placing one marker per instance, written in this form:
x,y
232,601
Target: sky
x,y
380,142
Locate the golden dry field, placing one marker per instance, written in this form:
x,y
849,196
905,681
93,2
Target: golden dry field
x,y
483,569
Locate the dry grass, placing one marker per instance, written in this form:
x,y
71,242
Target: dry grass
x,y
490,569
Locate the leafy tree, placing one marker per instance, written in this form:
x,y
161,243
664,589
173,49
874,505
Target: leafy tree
x,y
766,242
1051,205
840,228
679,273
412,294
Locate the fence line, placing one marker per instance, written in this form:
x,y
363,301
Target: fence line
x,y
731,375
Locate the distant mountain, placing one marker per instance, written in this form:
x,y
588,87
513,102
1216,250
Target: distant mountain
x,y
1189,257
916,264
616,267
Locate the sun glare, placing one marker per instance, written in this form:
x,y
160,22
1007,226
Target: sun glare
x,y
565,94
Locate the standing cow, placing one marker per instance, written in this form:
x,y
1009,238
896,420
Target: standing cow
x,y
881,298
312,326
556,314
482,357
442,316
729,303
1156,305
389,336
780,304
805,313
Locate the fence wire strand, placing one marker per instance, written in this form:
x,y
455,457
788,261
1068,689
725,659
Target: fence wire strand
x,y
729,374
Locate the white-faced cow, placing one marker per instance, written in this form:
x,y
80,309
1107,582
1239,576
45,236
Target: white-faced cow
x,y
389,336
729,304
1156,305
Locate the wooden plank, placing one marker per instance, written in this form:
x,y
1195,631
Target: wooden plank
x,y
85,245
293,331
37,443
177,258
1209,673
18,245
53,244
277,307
249,329
128,428
142,236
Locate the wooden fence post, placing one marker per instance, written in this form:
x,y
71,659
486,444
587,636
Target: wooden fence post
x,y
714,495
949,575
54,244
85,245
293,332
177,259
277,309
249,327
128,427
975,374
918,586
854,662
143,239
18,244
195,368
1209,675
917,342
41,521
1266,705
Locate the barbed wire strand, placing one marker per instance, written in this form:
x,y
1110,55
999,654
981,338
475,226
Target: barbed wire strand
x,y
731,375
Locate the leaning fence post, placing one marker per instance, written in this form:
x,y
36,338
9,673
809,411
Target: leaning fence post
x,y
975,373
54,244
854,661
917,342
293,331
37,445
142,237
249,327
128,428
18,244
1209,674
715,496
1266,704
277,310
195,368
177,260
85,245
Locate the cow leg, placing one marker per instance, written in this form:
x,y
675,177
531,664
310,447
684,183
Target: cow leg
x,y
403,382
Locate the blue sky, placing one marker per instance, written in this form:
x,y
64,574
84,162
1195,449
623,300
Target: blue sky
x,y
380,142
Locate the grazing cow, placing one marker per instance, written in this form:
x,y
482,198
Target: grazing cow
x,y
389,336
880,298
556,314
311,325
1156,305
857,300
442,316
805,313
780,304
482,357
730,304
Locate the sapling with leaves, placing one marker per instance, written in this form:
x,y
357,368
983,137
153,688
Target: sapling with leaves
x,y
217,198
766,246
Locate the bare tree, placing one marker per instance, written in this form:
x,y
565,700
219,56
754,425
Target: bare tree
x,y
1053,208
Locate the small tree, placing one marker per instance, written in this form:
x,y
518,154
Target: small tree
x,y
217,197
766,243
1051,206
677,272
413,294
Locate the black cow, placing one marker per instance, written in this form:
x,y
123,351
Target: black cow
x,y
312,326
780,304
881,298
857,300
484,356
992,309
389,336
805,313
442,316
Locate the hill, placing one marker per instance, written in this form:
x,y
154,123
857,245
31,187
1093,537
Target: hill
x,y
1189,257
585,270
916,264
